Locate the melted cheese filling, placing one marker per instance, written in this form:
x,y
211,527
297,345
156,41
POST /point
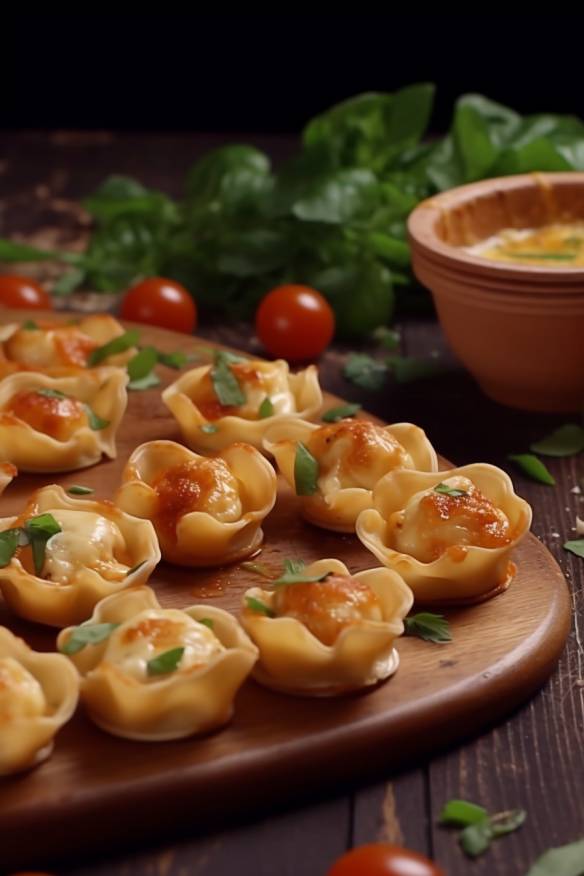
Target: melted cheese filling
x,y
21,695
57,417
152,633
258,381
51,347
355,453
88,541
435,523
198,485
328,607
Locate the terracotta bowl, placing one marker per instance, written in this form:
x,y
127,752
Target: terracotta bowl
x,y
518,328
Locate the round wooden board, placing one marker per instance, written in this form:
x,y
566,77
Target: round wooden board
x,y
96,790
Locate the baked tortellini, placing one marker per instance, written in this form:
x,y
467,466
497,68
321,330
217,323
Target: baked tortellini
x,y
53,424
62,555
327,632
238,399
58,348
206,510
154,674
448,534
38,694
335,467
7,474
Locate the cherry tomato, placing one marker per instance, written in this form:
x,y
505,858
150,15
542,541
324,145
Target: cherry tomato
x,y
295,323
382,859
21,292
161,302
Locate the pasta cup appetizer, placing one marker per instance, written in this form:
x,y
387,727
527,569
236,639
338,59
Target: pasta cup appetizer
x,y
60,348
61,556
7,474
53,424
154,674
450,534
206,511
335,467
38,694
239,399
324,632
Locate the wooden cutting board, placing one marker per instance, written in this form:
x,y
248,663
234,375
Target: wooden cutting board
x,y
97,791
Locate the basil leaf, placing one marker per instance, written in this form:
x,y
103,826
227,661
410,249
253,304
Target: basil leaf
x,y
562,861
206,621
533,468
476,838
87,634
117,345
259,607
30,325
68,282
142,363
299,578
147,382
258,568
166,662
266,409
506,822
430,627
225,383
209,428
9,542
12,251
135,568
461,813
306,472
445,490
386,337
39,530
365,372
575,547
174,360
568,440
96,423
79,490
333,415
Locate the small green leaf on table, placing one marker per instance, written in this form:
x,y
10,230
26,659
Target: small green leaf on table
x,y
430,627
565,860
533,467
364,371
568,440
575,547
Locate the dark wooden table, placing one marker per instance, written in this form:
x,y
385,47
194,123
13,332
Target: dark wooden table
x,y
534,760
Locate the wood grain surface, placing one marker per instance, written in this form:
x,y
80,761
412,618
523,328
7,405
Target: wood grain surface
x,y
535,759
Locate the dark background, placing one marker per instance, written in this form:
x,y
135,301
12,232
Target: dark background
x,y
238,73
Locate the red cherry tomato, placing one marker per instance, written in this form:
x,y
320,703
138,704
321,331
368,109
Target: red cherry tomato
x,y
295,323
161,302
21,292
382,859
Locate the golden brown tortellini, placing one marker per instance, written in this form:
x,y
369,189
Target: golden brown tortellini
x,y
348,458
38,694
332,634
68,554
449,534
216,405
206,510
53,424
154,674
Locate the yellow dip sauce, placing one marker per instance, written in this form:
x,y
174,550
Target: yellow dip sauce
x,y
559,245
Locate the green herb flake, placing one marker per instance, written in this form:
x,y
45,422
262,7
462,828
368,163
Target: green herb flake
x,y
533,468
117,345
365,372
461,813
575,547
207,622
479,828
30,325
334,415
96,423
430,627
266,409
562,861
386,337
147,382
476,838
225,383
87,634
259,607
568,440
176,360
166,662
135,568
257,568
39,530
294,574
209,428
9,542
79,490
142,364
306,471
445,490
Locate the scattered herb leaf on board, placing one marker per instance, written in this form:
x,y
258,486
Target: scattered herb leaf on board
x,y
478,827
562,861
365,372
430,627
533,467
575,547
568,440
